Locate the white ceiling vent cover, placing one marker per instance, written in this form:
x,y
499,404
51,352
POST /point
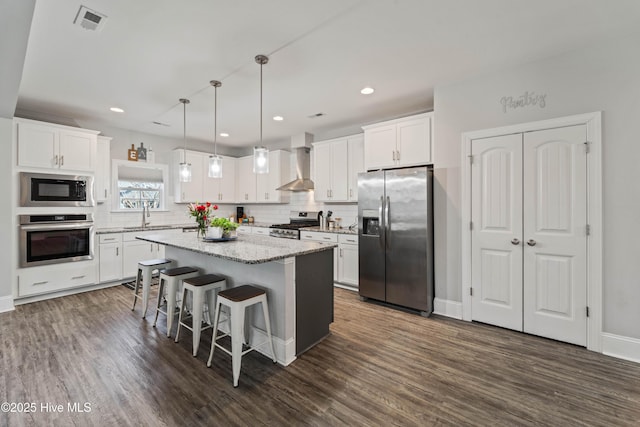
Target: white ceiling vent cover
x,y
90,19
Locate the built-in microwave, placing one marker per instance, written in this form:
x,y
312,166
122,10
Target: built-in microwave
x,y
40,189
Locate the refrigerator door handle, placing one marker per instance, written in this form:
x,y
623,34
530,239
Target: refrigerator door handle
x,y
381,237
387,225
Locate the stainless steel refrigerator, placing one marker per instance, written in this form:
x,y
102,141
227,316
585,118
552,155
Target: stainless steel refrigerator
x,y
395,229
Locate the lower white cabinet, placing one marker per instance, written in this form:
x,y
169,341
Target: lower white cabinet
x,y
348,259
119,254
260,230
56,277
345,256
319,236
110,258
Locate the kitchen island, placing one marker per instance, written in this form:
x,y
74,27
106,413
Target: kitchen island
x,y
298,277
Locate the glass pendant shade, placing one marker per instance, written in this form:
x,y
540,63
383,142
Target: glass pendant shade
x,y
215,166
185,172
260,160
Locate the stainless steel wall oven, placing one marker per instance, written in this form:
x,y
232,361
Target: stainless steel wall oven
x,y
52,239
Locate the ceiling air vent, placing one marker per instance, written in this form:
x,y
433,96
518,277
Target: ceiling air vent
x,y
90,19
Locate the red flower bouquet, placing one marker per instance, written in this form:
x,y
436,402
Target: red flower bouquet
x,y
203,216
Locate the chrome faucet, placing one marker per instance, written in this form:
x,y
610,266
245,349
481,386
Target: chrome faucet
x,y
145,209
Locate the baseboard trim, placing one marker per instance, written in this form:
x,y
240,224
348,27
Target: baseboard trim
x,y
626,348
447,308
285,350
6,304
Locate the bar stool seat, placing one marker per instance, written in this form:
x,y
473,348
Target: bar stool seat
x,y
208,285
237,300
145,271
172,278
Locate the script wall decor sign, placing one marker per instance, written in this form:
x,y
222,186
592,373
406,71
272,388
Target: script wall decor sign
x,y
527,99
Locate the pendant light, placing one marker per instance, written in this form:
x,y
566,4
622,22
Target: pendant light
x,y
185,168
261,153
215,161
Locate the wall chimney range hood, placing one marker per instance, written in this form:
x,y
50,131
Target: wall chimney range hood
x,y
301,145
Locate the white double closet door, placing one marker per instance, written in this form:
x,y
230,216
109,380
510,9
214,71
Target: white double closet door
x,y
529,236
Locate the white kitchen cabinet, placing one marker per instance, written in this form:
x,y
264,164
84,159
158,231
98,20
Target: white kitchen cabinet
x,y
201,188
318,236
348,259
56,277
279,174
246,179
220,190
119,253
398,143
331,170
187,192
261,188
356,164
110,257
264,231
134,250
45,145
102,180
337,163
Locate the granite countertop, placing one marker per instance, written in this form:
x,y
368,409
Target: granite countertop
x,y
331,230
247,249
107,230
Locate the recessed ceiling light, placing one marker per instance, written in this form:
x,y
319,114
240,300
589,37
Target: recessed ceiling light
x,y
278,118
224,134
367,91
116,110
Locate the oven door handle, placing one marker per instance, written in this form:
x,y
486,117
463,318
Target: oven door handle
x,y
50,227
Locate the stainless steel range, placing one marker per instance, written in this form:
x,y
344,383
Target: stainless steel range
x,y
297,220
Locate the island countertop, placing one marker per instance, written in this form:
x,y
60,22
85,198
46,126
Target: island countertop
x,y
247,249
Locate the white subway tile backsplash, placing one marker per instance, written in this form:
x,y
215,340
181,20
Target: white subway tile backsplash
x,y
275,214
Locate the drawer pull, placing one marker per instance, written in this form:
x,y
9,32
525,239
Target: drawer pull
x,y
40,283
109,239
78,277
327,238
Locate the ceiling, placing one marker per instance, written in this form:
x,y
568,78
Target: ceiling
x,y
150,53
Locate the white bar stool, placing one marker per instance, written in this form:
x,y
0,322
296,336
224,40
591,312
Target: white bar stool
x,y
199,286
238,299
171,278
145,271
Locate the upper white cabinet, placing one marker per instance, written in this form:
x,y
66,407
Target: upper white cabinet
x,y
220,190
202,188
337,163
103,169
246,180
279,174
261,188
398,143
50,146
356,164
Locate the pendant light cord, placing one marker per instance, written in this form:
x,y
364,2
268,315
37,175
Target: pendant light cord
x,y
184,102
261,64
215,121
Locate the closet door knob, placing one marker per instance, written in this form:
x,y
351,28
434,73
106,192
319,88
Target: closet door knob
x,y
531,242
515,241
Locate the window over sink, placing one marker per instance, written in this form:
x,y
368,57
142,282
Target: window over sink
x,y
138,184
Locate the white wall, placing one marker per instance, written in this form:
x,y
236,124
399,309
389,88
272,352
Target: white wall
x,y
604,77
7,224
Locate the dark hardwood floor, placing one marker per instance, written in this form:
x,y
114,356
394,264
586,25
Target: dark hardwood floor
x,y
379,367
